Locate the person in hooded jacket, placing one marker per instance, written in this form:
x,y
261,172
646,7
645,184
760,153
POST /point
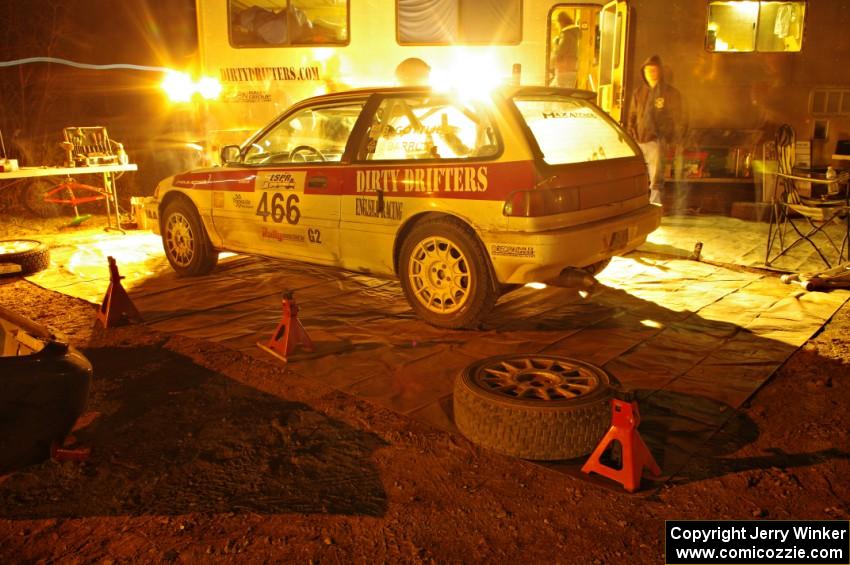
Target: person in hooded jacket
x,y
657,121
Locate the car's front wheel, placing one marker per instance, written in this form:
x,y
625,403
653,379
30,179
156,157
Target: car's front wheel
x,y
446,275
185,240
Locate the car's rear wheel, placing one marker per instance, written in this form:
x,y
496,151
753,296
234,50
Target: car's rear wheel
x,y
445,274
185,240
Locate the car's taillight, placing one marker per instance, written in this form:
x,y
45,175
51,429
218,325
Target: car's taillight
x,y
541,202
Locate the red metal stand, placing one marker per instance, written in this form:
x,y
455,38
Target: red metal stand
x,y
289,333
63,453
117,305
635,455
68,450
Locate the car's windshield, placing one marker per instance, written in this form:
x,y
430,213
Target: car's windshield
x,y
570,130
314,134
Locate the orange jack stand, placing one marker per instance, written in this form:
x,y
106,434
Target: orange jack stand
x,y
289,333
68,450
635,455
116,304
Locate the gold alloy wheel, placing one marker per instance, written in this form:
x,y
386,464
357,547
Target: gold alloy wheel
x,y
179,239
539,378
439,275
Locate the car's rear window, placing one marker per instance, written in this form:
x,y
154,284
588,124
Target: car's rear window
x,y
570,130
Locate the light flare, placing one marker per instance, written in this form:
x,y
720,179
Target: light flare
x,y
178,86
471,75
209,88
139,255
181,88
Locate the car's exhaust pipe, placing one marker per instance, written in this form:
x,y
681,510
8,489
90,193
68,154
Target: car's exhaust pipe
x,y
574,278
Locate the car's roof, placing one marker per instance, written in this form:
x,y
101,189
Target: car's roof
x,y
506,91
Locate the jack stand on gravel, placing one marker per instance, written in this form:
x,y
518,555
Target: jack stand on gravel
x,y
634,453
68,450
117,305
289,333
64,452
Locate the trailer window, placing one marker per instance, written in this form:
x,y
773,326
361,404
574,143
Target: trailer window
x,y
830,102
452,22
414,128
735,26
278,23
569,130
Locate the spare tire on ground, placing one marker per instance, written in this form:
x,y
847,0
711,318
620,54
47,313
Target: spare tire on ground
x,y
539,407
29,255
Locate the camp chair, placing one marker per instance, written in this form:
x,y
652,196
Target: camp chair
x,y
806,208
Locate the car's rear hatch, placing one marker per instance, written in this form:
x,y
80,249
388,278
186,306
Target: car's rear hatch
x,y
587,167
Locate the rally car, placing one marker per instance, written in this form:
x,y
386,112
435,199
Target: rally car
x,y
460,197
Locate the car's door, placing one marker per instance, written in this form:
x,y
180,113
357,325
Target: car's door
x,y
293,210
420,152
614,29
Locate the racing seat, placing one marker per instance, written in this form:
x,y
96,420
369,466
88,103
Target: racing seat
x,y
807,208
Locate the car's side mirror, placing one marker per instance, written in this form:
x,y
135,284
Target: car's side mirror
x,y
229,154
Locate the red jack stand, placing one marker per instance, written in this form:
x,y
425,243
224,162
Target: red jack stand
x,y
289,333
62,453
66,451
635,455
116,304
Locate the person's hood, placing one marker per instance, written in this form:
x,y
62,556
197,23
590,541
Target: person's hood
x,y
654,60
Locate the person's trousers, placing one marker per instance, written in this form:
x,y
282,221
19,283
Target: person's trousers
x,y
653,154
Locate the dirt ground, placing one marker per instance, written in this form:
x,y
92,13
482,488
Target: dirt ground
x,y
202,454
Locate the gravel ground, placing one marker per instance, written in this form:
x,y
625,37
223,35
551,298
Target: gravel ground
x,y
201,454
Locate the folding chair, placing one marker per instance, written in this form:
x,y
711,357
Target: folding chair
x,y
818,216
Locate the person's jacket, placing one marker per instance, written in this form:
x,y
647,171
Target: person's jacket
x,y
657,113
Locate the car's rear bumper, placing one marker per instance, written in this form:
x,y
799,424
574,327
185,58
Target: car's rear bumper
x,y
523,257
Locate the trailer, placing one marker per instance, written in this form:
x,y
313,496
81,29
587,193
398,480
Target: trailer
x,y
743,66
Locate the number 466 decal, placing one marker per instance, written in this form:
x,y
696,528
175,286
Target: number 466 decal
x,y
278,209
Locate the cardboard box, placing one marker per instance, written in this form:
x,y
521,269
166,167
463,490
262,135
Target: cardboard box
x,y
8,165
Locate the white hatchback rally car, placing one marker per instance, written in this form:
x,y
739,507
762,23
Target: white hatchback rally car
x,y
459,198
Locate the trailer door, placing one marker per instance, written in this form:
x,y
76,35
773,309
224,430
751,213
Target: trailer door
x,y
613,39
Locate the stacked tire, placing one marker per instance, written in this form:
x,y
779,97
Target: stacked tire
x,y
537,407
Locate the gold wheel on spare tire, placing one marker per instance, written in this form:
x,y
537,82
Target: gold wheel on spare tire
x,y
539,407
445,274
